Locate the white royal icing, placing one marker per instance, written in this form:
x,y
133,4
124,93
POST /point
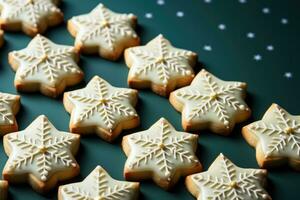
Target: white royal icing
x,y
7,101
99,185
224,180
41,150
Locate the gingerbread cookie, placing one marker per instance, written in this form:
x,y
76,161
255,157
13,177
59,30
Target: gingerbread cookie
x,y
30,16
276,138
99,185
9,107
102,109
224,180
3,190
159,66
40,155
211,103
160,153
104,32
45,66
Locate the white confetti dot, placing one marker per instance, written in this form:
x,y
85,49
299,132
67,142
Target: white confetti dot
x,y
250,35
149,15
270,47
243,1
288,75
257,57
207,1
160,2
284,21
266,10
180,14
207,48
222,26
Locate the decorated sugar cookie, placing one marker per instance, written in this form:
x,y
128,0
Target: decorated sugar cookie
x,y
212,103
99,185
160,153
30,16
102,109
224,180
159,66
40,155
3,189
104,32
45,66
276,138
9,107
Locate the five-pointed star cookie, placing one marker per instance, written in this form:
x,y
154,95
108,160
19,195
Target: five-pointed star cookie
x,y
211,103
276,138
40,155
99,185
160,153
3,189
159,66
101,108
31,16
45,66
9,107
224,180
104,31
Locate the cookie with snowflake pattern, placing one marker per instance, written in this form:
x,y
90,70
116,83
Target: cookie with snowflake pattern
x,y
46,67
159,66
104,32
160,153
224,180
9,107
40,155
99,185
3,189
30,16
102,109
212,103
276,138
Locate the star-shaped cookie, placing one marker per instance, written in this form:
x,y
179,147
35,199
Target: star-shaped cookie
x,y
3,189
104,32
9,107
102,109
224,180
99,185
40,155
159,66
212,103
30,16
160,153
276,138
45,66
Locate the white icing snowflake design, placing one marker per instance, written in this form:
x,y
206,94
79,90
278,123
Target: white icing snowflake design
x,y
6,102
224,180
278,133
40,150
162,150
99,185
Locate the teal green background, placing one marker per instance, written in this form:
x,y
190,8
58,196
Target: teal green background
x,y
231,58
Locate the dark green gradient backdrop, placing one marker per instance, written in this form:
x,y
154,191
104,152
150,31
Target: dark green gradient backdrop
x,y
231,58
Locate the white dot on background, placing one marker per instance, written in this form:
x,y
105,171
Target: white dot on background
x,y
207,48
207,1
266,10
222,26
288,75
160,2
284,21
257,57
243,1
250,35
270,47
149,15
180,14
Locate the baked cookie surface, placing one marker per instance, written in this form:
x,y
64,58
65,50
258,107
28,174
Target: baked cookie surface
x,y
99,185
212,103
9,107
104,32
30,16
45,66
40,155
159,66
224,180
3,189
160,153
276,138
102,109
